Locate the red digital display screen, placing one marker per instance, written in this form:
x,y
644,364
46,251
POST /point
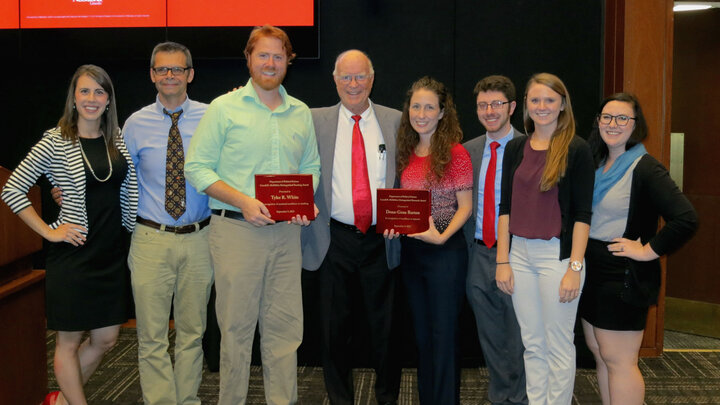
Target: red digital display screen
x,y
92,13
153,13
234,13
9,14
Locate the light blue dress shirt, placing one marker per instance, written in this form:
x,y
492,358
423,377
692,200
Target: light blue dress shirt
x,y
498,179
146,137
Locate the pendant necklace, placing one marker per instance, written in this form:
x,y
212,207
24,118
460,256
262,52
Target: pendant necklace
x,y
87,162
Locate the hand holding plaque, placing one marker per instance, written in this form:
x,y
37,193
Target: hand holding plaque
x,y
286,195
404,210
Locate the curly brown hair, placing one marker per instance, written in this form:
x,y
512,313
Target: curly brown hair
x,y
447,134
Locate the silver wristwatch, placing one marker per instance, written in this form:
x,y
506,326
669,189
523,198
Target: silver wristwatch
x,y
576,265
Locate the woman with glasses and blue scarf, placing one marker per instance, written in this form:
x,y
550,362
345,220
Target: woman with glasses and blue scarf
x,y
632,190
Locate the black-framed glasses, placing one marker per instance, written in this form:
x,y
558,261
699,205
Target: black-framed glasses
x,y
495,105
620,120
176,70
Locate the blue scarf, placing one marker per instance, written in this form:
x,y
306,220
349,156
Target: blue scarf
x,y
605,181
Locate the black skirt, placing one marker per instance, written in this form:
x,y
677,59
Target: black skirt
x,y
600,302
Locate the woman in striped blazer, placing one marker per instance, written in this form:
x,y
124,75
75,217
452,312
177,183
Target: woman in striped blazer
x,y
86,280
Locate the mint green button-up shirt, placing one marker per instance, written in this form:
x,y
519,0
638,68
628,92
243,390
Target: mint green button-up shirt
x,y
239,137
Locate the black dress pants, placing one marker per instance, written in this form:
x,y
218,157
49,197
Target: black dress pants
x,y
434,278
355,268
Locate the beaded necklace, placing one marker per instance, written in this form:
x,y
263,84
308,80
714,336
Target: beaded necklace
x,y
90,167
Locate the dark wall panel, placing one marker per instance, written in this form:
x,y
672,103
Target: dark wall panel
x,y
692,270
519,38
458,42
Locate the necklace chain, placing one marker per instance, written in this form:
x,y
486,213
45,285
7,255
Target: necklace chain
x,y
87,162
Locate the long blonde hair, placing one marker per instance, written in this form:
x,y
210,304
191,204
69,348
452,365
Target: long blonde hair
x,y
557,153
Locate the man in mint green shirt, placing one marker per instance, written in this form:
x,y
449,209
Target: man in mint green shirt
x,y
259,129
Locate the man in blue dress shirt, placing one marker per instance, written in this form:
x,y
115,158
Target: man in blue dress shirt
x,y
169,255
497,327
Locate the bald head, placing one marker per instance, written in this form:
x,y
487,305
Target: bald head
x,y
354,53
354,76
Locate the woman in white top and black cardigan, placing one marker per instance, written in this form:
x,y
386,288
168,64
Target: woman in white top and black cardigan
x,y
86,279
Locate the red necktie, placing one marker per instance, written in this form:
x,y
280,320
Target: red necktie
x,y
362,200
488,226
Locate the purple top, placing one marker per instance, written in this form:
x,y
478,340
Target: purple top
x,y
535,214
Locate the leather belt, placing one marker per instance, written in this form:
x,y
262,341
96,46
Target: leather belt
x,y
175,229
229,214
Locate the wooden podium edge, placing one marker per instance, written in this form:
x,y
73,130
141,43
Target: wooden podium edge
x,y
20,283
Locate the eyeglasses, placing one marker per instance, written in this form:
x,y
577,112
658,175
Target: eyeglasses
x,y
495,105
176,70
620,120
358,78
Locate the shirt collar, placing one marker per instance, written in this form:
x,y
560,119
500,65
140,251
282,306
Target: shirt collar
x,y
249,92
348,115
502,141
160,107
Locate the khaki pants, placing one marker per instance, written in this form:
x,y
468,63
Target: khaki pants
x,y
164,265
257,273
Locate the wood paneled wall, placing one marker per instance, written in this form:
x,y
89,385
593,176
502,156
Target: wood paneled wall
x,y
638,59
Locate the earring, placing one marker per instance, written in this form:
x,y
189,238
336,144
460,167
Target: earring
x,y
73,106
107,108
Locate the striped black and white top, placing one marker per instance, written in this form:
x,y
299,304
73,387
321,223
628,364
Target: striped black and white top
x,y
61,162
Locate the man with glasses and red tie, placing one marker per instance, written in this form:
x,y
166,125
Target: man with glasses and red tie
x,y
497,327
356,143
169,256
